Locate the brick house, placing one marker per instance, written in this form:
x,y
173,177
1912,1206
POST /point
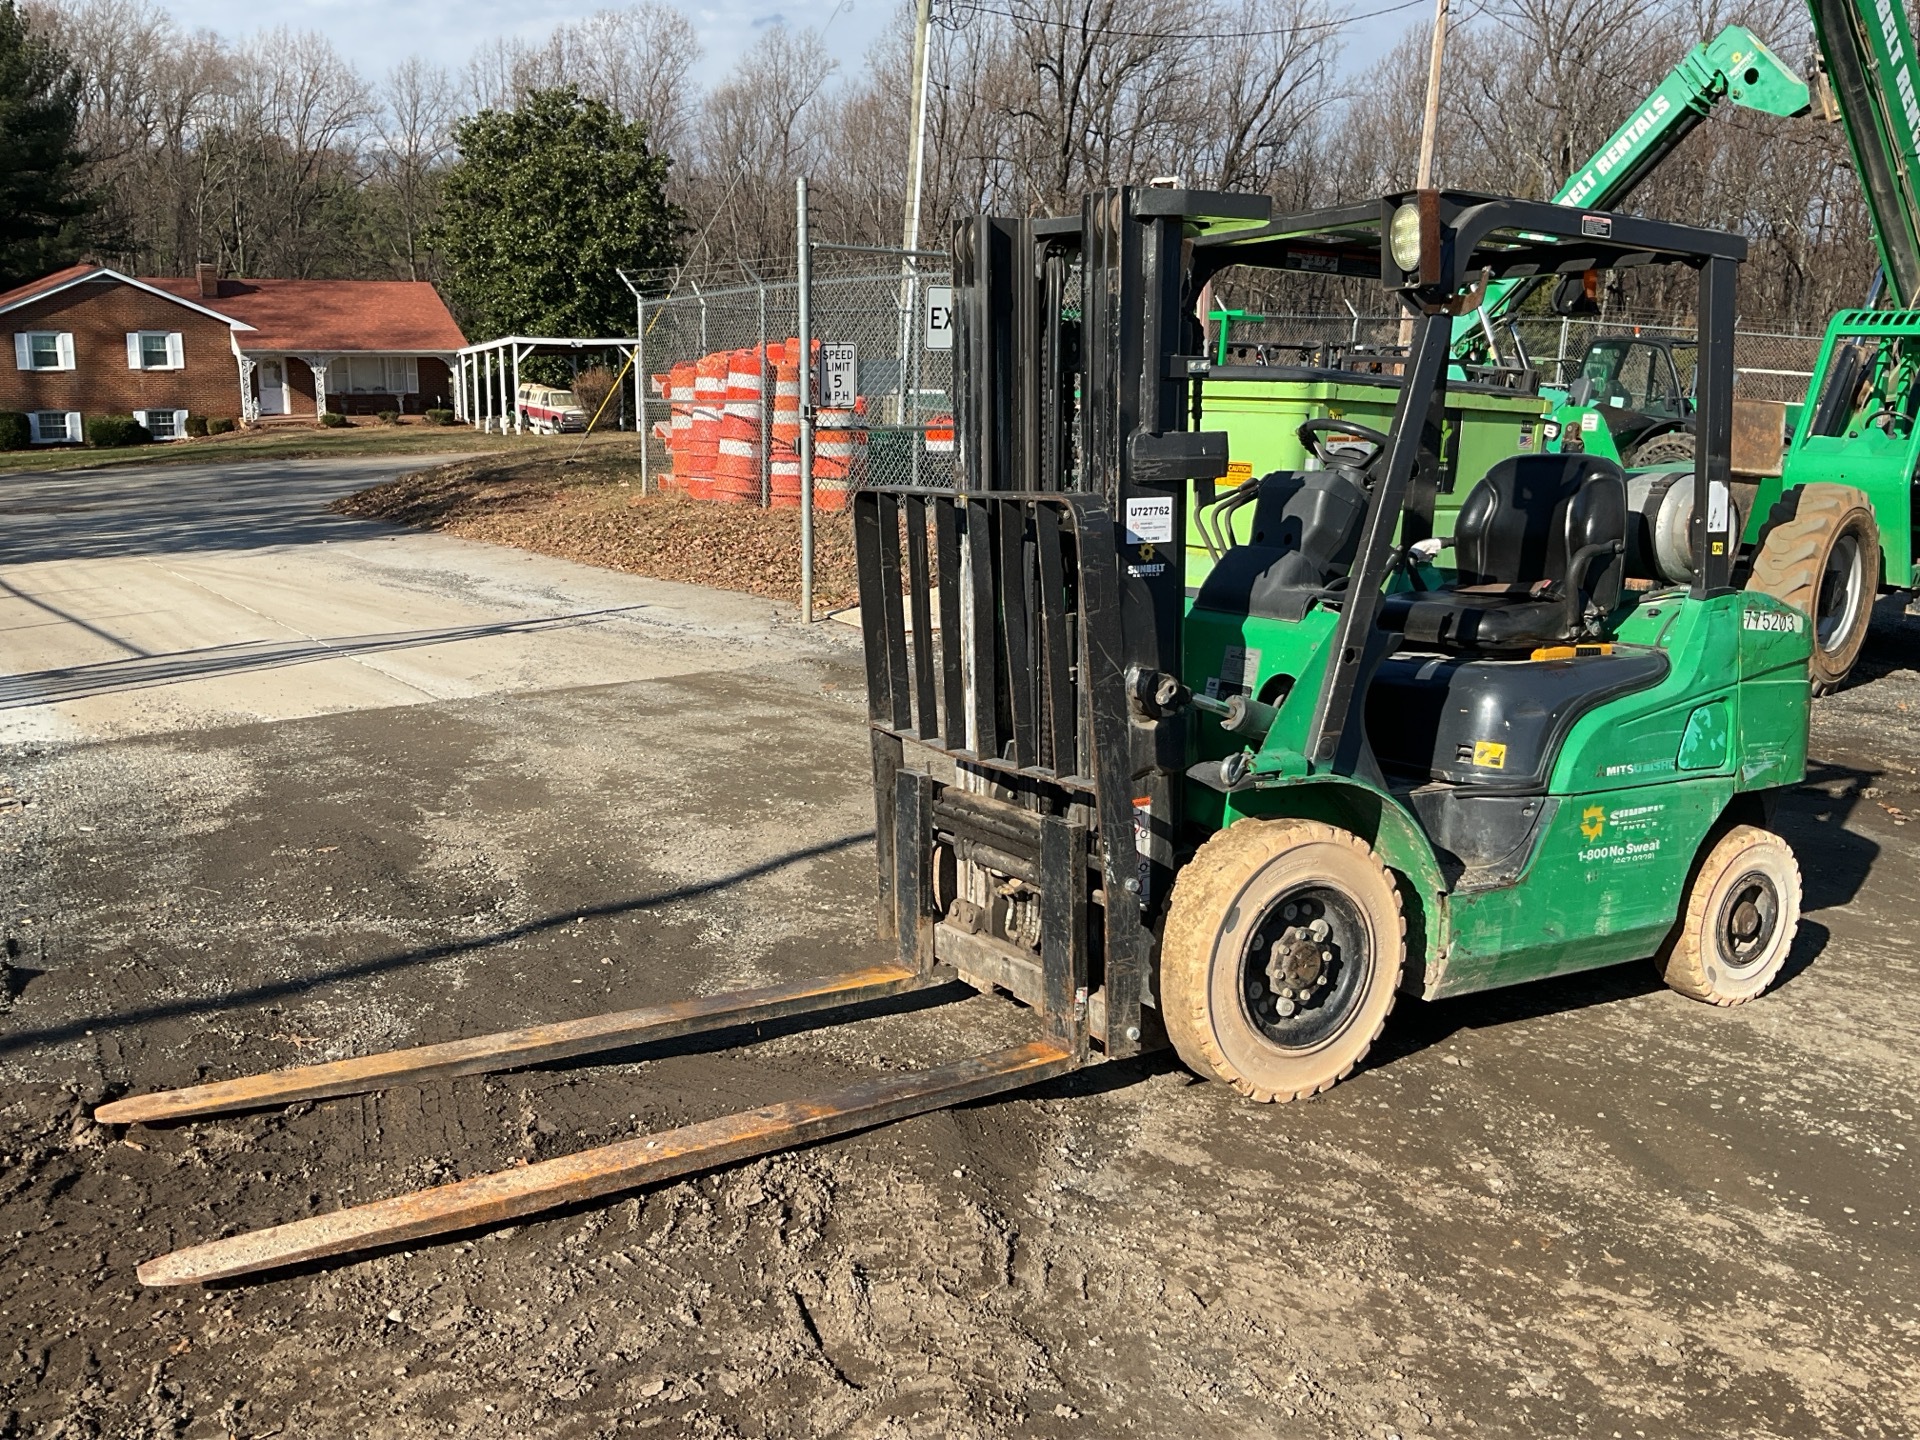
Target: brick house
x,y
90,341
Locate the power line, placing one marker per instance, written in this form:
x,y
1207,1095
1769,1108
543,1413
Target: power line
x,y
1310,26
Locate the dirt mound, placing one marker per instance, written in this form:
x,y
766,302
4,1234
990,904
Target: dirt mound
x,y
591,510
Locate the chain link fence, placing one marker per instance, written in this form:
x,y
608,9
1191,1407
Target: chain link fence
x,y
882,380
1768,364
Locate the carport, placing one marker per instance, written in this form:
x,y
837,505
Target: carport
x,y
486,377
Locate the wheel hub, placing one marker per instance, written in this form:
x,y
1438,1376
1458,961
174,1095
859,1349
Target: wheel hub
x,y
1840,587
1748,918
1294,965
1298,965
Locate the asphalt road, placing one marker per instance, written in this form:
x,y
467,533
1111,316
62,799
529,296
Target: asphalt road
x,y
330,789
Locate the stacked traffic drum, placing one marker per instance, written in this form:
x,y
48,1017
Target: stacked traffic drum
x,y
834,441
680,406
736,479
784,463
717,407
709,409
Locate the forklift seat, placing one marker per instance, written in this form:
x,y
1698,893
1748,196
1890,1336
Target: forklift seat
x,y
1538,545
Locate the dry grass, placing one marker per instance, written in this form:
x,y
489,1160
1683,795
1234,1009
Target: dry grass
x,y
591,510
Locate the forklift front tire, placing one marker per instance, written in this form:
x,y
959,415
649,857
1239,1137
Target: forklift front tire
x,y
1742,911
1281,957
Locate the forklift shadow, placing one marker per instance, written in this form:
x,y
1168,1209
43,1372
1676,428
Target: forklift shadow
x,y
1835,858
1415,1025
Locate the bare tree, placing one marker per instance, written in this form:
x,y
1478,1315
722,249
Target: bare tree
x,y
414,133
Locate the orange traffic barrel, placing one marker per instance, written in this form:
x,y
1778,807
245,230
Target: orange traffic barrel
x,y
680,408
709,405
834,439
736,476
784,463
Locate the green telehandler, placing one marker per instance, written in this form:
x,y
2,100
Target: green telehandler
x,y
1828,492
1832,524
1242,821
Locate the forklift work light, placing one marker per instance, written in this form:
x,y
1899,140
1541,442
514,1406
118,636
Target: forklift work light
x,y
1403,237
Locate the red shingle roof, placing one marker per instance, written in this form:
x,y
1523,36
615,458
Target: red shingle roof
x,y
35,288
334,315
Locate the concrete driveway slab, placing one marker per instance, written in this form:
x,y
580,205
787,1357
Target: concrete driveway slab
x,y
134,601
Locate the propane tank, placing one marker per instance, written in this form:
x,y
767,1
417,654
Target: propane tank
x,y
1660,528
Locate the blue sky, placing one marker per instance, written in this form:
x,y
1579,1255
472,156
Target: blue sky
x,y
374,34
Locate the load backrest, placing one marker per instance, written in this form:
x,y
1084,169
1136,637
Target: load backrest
x,y
1532,514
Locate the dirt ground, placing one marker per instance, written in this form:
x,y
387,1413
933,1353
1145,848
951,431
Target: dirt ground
x,y
590,509
1579,1208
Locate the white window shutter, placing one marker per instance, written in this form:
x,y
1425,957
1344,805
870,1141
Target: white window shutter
x,y
140,417
412,365
22,352
66,350
176,350
179,424
74,432
133,349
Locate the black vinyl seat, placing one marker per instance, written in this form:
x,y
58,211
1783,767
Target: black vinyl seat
x,y
1538,545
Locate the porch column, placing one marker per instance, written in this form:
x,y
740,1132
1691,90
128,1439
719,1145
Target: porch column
x,y
518,421
485,366
249,407
508,400
318,364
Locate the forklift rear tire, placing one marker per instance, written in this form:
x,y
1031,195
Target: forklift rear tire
x,y
1281,958
1742,912
1821,554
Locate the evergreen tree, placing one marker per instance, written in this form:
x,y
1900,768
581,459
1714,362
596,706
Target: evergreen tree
x,y
545,203
44,206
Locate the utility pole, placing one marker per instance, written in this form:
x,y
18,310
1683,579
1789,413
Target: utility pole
x,y
917,128
1429,125
910,224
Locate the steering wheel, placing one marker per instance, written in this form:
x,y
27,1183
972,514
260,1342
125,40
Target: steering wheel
x,y
1311,431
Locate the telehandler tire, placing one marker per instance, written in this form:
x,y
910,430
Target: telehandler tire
x,y
1820,553
1742,911
1673,448
1281,958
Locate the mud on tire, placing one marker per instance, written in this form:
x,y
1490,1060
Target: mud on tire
x,y
1282,954
1743,908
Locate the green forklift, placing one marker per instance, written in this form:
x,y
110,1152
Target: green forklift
x,y
1243,819
1333,772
